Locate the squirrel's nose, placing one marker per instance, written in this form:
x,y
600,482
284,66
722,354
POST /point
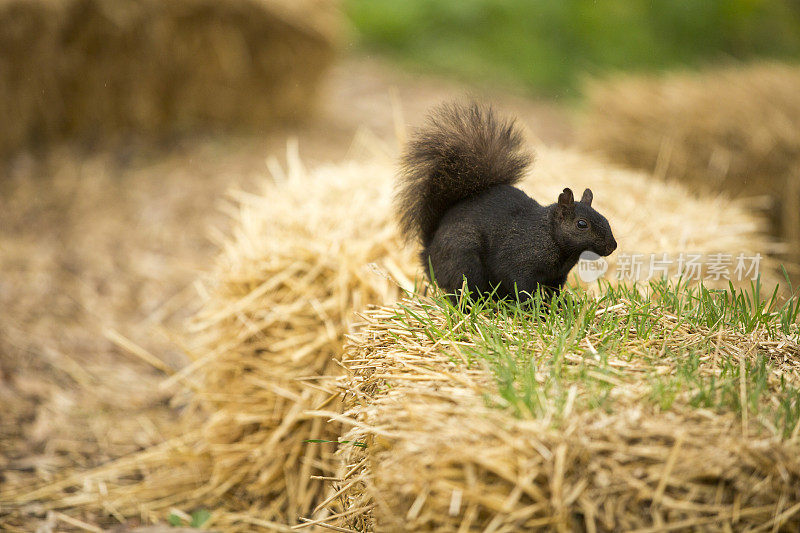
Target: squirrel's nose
x,y
611,246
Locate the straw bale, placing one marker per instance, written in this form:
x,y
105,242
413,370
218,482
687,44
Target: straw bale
x,y
439,458
730,129
305,254
95,69
274,312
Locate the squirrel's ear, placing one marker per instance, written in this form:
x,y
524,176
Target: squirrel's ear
x,y
566,199
587,197
566,202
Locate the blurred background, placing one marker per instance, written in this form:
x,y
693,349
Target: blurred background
x,y
124,122
548,47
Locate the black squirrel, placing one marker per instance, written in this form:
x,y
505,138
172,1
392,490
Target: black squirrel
x,y
455,194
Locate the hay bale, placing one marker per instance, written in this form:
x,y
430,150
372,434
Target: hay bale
x,y
274,313
439,458
94,69
731,130
276,309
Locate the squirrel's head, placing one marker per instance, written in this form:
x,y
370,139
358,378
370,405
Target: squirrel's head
x,y
578,227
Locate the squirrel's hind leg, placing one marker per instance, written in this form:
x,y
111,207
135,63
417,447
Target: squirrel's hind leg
x,y
451,270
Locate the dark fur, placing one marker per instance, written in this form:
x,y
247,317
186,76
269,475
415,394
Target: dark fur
x,y
455,195
464,151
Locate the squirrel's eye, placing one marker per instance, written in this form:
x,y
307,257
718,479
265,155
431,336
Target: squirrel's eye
x,y
582,224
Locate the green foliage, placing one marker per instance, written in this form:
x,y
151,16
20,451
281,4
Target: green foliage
x,y
548,44
196,520
200,517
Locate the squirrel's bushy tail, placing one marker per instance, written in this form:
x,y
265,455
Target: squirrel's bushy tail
x,y
463,150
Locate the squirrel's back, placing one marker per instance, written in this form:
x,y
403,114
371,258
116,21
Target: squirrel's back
x,y
463,150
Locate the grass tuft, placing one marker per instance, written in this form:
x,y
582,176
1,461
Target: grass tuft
x,y
666,344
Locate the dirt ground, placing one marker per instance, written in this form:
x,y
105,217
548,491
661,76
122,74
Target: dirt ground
x,y
100,250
